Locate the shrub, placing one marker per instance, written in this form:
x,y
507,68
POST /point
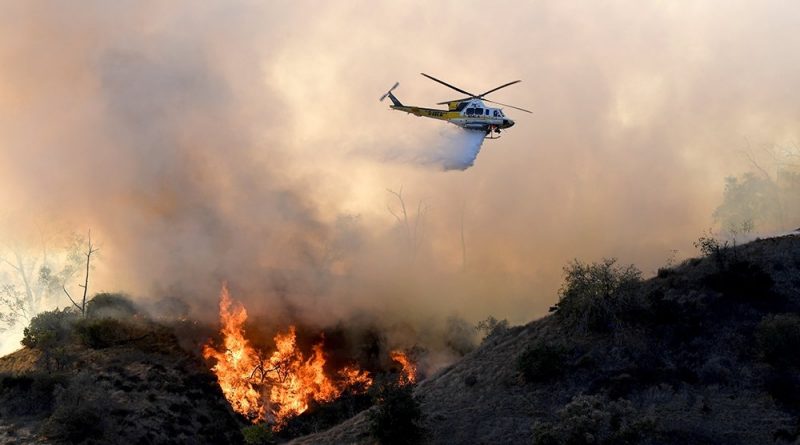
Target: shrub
x,y
102,333
710,247
321,416
665,272
259,434
491,327
541,362
108,305
49,329
397,416
743,281
80,413
778,339
28,394
594,420
596,297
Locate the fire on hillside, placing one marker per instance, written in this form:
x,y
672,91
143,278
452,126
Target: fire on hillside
x,y
274,387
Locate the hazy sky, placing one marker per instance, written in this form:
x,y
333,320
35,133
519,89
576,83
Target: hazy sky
x,y
243,141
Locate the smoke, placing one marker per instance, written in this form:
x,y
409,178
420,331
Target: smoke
x,y
242,141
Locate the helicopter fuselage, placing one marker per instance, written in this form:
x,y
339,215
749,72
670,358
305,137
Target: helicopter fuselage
x,y
472,115
469,113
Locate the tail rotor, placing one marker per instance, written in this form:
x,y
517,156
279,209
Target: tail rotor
x,y
396,84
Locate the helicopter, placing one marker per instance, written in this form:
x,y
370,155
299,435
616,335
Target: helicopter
x,y
469,113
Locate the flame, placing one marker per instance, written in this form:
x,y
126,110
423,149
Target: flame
x,y
236,361
409,374
281,386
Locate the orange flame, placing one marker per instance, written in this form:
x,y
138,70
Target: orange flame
x,y
236,361
281,386
409,374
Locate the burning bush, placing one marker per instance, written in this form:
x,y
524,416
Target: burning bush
x,y
408,373
275,387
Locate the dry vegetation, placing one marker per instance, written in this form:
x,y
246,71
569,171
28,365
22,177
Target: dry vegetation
x,y
703,353
111,377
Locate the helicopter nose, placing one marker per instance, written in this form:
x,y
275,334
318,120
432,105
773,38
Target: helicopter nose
x,y
508,123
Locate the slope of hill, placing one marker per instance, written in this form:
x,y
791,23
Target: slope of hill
x,y
122,381
703,353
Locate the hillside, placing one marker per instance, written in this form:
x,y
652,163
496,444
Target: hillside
x,y
121,380
703,353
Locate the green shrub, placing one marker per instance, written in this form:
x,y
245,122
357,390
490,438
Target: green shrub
x,y
594,420
397,416
259,434
541,362
102,333
108,305
596,297
778,340
49,329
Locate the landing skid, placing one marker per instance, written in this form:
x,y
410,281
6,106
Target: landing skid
x,y
493,133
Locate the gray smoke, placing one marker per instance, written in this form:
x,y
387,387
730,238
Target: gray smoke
x,y
242,141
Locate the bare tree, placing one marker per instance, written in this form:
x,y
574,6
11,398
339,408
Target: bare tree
x,y
415,234
30,274
89,251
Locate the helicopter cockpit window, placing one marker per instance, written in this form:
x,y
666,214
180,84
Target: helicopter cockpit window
x,y
495,114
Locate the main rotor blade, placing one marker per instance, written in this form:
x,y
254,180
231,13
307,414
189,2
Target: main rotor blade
x,y
507,105
448,85
457,100
501,86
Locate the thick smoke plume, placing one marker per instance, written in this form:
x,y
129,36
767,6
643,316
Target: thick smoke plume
x,y
204,142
